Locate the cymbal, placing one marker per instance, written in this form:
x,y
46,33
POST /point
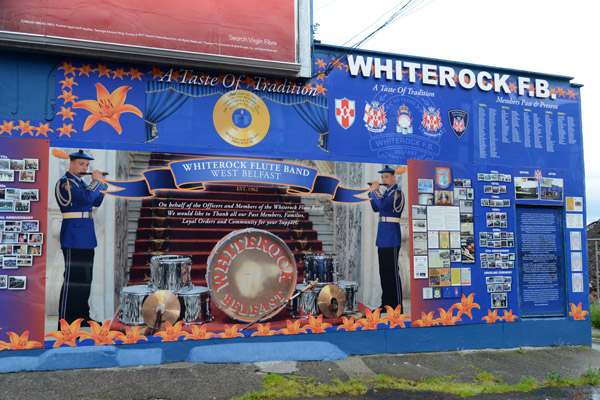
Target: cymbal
x,y
159,307
331,301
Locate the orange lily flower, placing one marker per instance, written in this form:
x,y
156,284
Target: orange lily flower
x,y
198,333
86,69
103,70
66,113
316,325
371,320
156,73
68,334
69,82
508,316
264,330
19,342
395,317
577,313
43,129
466,305
172,333
25,128
426,320
135,73
293,328
446,318
66,129
231,332
7,127
492,317
101,334
348,325
108,107
68,97
68,68
131,336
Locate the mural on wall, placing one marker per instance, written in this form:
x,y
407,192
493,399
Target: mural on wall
x,y
480,148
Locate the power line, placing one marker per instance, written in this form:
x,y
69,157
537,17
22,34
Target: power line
x,y
409,7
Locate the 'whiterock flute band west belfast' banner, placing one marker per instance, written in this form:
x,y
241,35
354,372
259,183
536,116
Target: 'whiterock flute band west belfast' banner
x,y
191,174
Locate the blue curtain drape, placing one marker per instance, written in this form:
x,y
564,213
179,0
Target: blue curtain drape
x,y
164,98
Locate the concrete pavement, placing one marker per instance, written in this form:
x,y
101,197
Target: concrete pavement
x,y
225,381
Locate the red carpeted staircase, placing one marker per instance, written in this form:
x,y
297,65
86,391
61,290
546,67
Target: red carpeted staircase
x,y
192,222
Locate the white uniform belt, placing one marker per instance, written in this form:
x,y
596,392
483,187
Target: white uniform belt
x,y
77,214
389,219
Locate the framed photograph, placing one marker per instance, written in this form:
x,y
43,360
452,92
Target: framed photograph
x,y
24,261
577,283
444,197
4,163
576,264
3,281
30,226
526,188
575,240
23,206
12,194
6,205
499,300
466,206
26,176
7,175
20,249
31,164
9,237
34,250
16,165
6,249
35,238
419,225
9,262
2,193
425,185
419,212
17,282
425,199
30,194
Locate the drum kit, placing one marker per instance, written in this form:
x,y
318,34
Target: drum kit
x,y
251,276
170,296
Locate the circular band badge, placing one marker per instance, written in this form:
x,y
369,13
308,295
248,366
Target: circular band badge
x,y
241,118
251,274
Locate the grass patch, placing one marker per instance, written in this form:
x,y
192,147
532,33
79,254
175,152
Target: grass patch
x,y
279,386
595,314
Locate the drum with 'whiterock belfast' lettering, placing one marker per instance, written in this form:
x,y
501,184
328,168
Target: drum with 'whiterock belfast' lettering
x,y
251,274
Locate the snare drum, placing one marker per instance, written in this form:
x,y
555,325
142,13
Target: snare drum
x,y
322,266
195,304
132,300
350,289
170,272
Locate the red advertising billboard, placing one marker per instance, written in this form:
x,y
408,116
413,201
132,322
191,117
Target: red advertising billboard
x,y
261,30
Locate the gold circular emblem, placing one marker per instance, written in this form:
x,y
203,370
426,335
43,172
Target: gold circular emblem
x,y
241,118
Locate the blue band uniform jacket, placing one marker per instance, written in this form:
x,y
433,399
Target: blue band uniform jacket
x,y
74,196
389,205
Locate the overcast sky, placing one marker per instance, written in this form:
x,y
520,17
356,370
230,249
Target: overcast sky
x,y
548,36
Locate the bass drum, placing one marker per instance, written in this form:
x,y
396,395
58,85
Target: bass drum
x,y
251,274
